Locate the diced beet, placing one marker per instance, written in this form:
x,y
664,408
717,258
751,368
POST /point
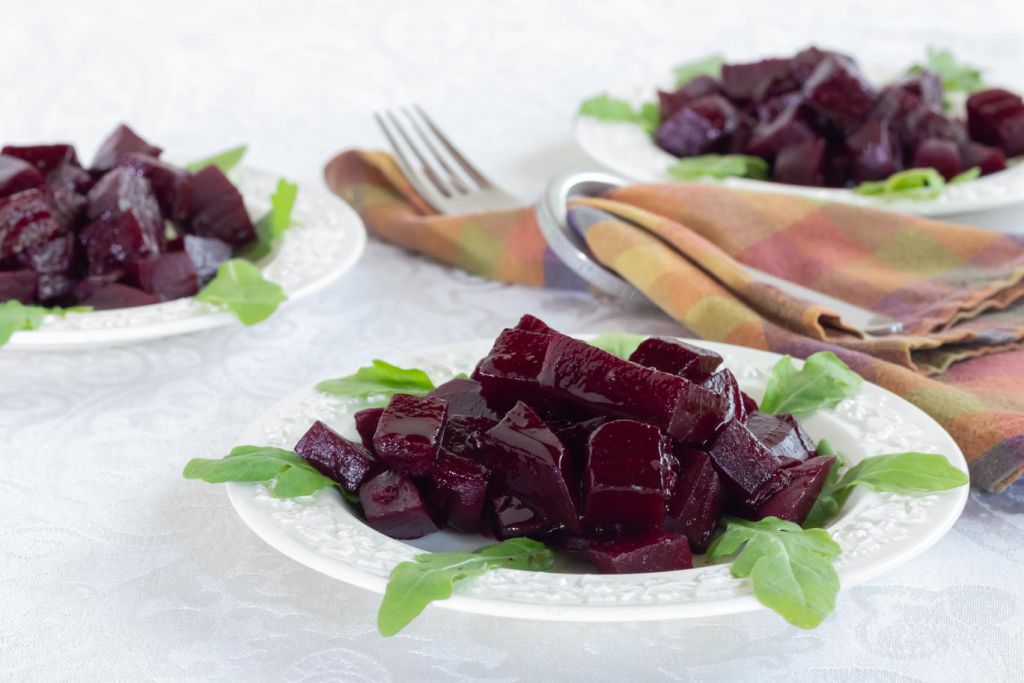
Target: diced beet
x,y
686,133
17,175
45,158
757,81
996,117
749,404
112,240
770,109
50,257
677,358
122,192
466,435
575,436
25,221
533,465
121,142
724,384
794,502
366,424
116,295
19,285
700,86
753,473
343,461
464,397
699,413
782,435
801,164
458,489
803,64
69,185
786,129
653,551
531,323
942,155
393,506
171,185
875,151
207,253
698,500
924,122
55,289
988,159
837,165
509,372
925,85
564,541
514,518
838,91
409,433
623,485
739,139
168,276
218,209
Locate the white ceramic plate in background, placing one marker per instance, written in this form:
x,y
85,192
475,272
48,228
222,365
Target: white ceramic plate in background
x,y
876,531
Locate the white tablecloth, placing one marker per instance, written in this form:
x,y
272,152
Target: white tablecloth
x,y
112,567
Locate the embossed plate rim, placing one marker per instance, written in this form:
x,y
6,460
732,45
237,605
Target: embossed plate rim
x,y
363,557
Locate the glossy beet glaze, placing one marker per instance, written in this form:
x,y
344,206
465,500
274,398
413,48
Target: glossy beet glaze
x,y
409,433
344,461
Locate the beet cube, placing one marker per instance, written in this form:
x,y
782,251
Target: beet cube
x,y
466,435
795,501
366,424
749,468
700,86
686,133
168,276
111,241
801,164
786,129
464,397
875,151
50,257
343,461
770,109
116,295
942,155
757,80
623,485
924,122
925,85
988,159
17,175
514,518
575,436
207,253
458,490
172,186
25,221
122,192
838,91
724,384
699,413
996,117
508,373
46,158
530,323
409,433
393,506
533,465
218,209
698,500
68,187
19,285
121,142
653,551
677,358
803,64
782,435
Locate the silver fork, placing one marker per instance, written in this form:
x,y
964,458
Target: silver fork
x,y
435,167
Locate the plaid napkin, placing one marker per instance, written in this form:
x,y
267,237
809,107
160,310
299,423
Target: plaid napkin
x,y
958,290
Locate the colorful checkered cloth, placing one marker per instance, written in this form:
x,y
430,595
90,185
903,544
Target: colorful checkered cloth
x,y
957,289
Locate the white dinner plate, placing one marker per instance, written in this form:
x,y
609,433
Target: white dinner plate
x,y
325,241
626,149
876,531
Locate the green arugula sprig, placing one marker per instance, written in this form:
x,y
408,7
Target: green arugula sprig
x,y
955,77
621,344
706,66
275,223
225,161
241,288
913,184
822,382
16,317
381,381
432,576
608,108
719,166
285,473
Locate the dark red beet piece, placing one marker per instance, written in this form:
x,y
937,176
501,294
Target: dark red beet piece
x,y
839,92
343,461
530,323
121,142
925,85
786,129
50,257
698,501
17,175
562,540
466,435
782,435
207,253
996,117
686,133
25,221
464,397
924,122
988,159
409,433
218,209
167,276
393,506
508,373
724,384
575,436
671,102
533,465
458,490
46,158
122,192
172,186
19,285
677,358
770,109
942,155
69,186
55,289
366,424
514,518
794,502
801,164
757,80
116,295
753,473
654,551
112,240
699,413
623,485
803,64
875,151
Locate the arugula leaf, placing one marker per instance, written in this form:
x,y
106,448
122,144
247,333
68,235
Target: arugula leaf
x,y
955,77
275,223
225,160
822,382
239,285
621,344
608,108
966,176
707,66
16,316
379,379
719,166
790,568
286,474
914,184
432,576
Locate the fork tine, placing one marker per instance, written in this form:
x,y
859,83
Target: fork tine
x,y
453,177
471,170
426,171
